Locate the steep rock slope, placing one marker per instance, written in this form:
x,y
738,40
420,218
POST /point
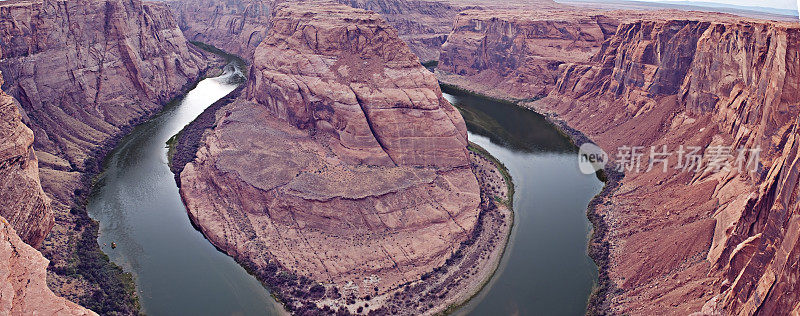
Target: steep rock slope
x,y
22,199
238,26
519,52
681,240
422,24
22,268
687,237
84,72
341,163
23,290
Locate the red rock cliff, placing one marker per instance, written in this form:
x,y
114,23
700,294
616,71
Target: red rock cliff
x,y
705,82
22,199
679,241
342,161
23,290
85,71
236,26
239,26
23,269
519,52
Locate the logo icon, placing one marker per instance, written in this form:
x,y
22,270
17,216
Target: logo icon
x,y
591,158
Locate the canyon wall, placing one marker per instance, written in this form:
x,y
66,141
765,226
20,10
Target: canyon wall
x,y
341,163
519,52
23,290
239,26
422,24
236,26
22,200
709,83
84,72
677,239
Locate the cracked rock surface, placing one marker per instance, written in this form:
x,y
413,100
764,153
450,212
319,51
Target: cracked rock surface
x,y
341,162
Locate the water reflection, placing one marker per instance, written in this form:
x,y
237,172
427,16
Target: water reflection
x,y
512,126
136,202
545,270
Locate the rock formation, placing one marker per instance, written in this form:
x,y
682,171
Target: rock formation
x,y
23,290
422,24
518,52
235,26
84,72
685,240
23,269
708,83
341,163
239,26
21,197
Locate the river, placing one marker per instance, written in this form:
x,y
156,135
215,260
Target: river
x,y
136,202
545,269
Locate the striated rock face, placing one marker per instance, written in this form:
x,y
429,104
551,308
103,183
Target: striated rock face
x,y
23,290
342,162
677,241
518,52
236,26
704,82
239,26
84,72
422,24
355,80
21,197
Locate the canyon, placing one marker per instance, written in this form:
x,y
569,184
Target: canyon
x,y
680,240
83,73
23,268
341,176
239,26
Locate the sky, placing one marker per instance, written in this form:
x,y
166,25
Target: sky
x,y
780,4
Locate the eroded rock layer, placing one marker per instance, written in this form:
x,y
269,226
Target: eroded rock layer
x,y
84,72
708,83
236,26
519,52
239,26
23,290
22,199
685,240
341,163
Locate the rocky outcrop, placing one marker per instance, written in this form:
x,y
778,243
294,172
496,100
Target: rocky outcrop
x,y
422,24
84,72
239,26
709,82
23,272
22,268
355,80
236,26
21,197
341,164
518,52
677,240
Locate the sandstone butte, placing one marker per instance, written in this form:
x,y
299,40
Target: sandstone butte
x,y
677,241
84,72
341,163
